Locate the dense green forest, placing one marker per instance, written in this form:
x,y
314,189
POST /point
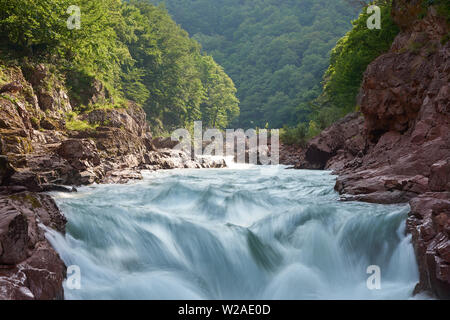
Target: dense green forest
x,y
350,58
293,62
275,51
134,48
342,80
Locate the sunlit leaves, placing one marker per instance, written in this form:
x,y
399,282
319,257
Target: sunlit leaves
x,y
134,48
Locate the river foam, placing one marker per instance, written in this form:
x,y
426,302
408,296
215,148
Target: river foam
x,y
239,233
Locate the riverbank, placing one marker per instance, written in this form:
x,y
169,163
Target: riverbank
x,y
397,148
42,151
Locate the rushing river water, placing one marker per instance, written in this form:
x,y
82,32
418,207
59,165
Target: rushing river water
x,y
248,233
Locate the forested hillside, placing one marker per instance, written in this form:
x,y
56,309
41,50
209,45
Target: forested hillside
x,y
134,50
342,80
275,51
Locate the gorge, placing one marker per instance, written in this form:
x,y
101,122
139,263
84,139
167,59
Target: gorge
x,y
85,182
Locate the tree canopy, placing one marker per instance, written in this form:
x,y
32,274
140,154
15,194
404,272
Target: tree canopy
x,y
342,80
134,48
275,51
350,58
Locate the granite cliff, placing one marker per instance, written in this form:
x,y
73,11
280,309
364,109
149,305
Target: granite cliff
x,y
46,146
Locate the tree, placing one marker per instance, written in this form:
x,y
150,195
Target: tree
x,y
133,48
267,47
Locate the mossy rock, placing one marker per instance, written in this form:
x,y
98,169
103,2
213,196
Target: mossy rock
x,y
15,144
35,203
35,122
48,124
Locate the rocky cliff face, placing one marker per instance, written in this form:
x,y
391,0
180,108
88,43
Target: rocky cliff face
x,y
399,151
40,152
340,146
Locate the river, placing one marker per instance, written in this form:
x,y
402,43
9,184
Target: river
x,y
237,233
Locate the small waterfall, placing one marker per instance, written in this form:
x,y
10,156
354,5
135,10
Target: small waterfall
x,y
239,233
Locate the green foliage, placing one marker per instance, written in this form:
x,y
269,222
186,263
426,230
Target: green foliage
x,y
31,26
299,135
294,135
38,29
133,49
79,125
275,51
183,84
35,122
221,103
342,80
313,129
352,55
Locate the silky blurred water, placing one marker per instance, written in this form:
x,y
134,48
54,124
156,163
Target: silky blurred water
x,y
239,233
